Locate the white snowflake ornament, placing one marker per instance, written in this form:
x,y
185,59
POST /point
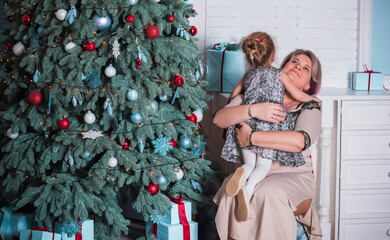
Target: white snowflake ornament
x,y
115,49
92,134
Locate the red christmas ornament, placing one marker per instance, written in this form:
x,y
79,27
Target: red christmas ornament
x,y
192,118
26,19
193,10
90,46
130,18
178,81
193,31
154,59
64,123
35,98
173,142
126,145
152,32
138,66
152,188
58,37
170,18
188,16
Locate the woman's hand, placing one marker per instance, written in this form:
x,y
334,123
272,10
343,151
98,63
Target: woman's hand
x,y
242,133
270,112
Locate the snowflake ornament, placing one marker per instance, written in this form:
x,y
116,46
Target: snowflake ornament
x,y
162,145
92,134
199,150
71,228
156,218
115,49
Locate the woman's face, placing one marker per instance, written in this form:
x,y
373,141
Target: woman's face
x,y
298,69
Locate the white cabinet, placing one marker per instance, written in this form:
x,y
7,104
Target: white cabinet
x,y
364,163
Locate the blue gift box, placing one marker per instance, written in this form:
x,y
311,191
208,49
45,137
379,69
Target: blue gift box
x,y
366,81
173,231
87,230
173,216
38,235
224,69
21,221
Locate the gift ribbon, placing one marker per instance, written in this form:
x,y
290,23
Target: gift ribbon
x,y
79,235
40,229
183,218
222,47
154,229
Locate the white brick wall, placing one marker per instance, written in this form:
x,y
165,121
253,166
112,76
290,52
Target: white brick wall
x,y
328,28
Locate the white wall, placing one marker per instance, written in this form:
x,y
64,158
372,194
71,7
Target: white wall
x,y
328,28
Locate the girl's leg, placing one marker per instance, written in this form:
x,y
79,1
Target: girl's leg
x,y
263,166
242,173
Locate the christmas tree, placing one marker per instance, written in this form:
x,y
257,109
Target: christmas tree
x,y
99,95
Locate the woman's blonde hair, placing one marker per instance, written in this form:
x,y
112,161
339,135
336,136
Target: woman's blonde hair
x,y
316,72
258,48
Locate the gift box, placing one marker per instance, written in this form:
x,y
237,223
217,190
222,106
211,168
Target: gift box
x,y
38,235
167,231
367,81
173,216
87,230
11,223
225,67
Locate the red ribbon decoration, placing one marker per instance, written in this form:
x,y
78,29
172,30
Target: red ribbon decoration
x,y
79,236
183,218
154,230
223,60
40,229
369,76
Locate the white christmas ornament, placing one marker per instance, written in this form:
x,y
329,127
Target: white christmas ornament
x,y
115,49
198,114
12,135
18,49
179,173
157,0
112,162
110,71
92,134
61,14
69,46
89,117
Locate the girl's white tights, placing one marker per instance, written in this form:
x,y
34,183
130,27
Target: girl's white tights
x,y
256,169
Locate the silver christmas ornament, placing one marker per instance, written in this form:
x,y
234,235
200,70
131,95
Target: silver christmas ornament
x,y
61,14
102,23
89,117
112,162
110,71
69,46
18,49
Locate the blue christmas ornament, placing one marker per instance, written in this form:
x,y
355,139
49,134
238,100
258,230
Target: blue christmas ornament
x,y
86,155
50,97
197,75
162,181
199,149
136,117
201,69
102,23
163,98
71,15
94,79
141,145
83,77
162,145
133,2
71,161
153,107
132,94
105,105
110,110
196,186
185,142
36,76
74,101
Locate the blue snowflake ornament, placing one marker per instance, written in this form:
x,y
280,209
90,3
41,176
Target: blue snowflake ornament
x,y
199,150
162,145
71,228
156,218
94,79
71,15
196,186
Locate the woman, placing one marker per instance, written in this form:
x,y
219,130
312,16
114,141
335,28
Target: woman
x,y
287,193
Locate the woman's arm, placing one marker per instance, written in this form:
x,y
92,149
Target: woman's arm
x,y
234,113
288,141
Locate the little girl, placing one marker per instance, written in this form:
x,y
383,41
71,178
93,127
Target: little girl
x,y
262,83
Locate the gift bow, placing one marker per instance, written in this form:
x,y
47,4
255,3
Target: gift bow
x,y
183,218
222,46
369,76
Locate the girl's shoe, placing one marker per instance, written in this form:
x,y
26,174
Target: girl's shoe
x,y
236,182
243,205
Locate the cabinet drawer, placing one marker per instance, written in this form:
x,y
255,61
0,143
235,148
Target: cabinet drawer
x,y
373,144
364,229
357,115
365,174
364,203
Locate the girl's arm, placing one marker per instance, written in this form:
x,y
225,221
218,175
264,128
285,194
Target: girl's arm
x,y
234,113
238,89
289,141
295,92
